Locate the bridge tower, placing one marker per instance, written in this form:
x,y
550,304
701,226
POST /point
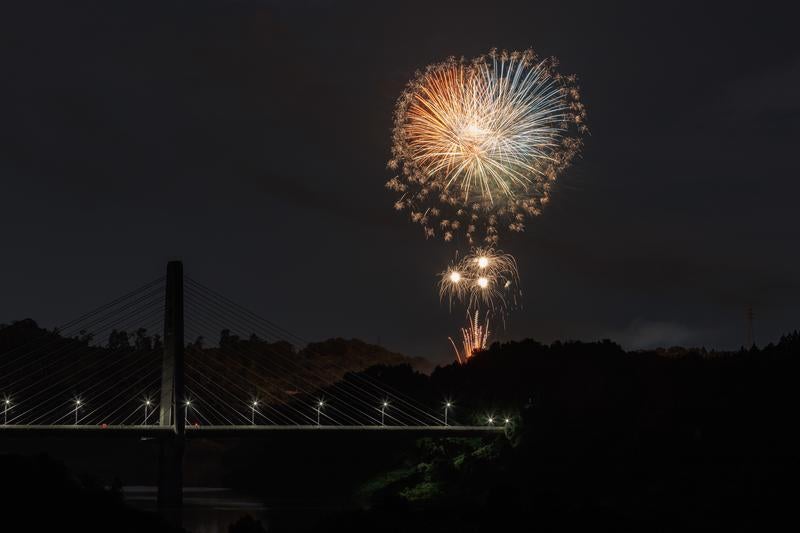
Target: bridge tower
x,y
171,447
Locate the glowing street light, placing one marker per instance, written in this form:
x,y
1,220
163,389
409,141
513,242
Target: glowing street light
x,y
147,404
253,406
447,406
384,405
188,404
506,421
320,405
78,404
490,420
6,407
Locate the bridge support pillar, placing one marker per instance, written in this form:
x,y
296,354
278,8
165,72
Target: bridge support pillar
x,y
170,479
171,447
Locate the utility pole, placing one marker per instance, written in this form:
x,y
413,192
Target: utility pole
x,y
170,468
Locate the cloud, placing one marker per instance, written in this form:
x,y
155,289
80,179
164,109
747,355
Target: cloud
x,y
642,335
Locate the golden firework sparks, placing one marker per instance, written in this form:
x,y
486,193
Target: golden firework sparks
x,y
484,276
474,338
479,142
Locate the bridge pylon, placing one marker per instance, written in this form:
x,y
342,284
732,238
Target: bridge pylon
x,y
171,446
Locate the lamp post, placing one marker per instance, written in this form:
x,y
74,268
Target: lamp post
x,y
320,405
447,406
6,405
384,405
78,404
188,404
253,412
147,404
490,420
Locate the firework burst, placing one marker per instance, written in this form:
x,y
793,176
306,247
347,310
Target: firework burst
x,y
474,338
484,277
455,284
478,143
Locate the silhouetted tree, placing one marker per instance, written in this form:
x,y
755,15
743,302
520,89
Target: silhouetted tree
x,y
118,340
142,342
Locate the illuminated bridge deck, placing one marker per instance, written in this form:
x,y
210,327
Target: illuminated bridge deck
x,y
244,430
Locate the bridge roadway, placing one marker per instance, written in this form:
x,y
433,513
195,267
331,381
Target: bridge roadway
x,y
238,431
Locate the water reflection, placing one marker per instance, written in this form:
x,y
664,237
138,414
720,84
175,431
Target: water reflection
x,y
205,509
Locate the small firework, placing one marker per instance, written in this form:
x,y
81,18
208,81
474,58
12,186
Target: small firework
x,y
474,338
455,283
477,144
485,276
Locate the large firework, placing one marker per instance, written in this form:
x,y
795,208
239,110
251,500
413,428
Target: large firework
x,y
485,277
474,338
479,143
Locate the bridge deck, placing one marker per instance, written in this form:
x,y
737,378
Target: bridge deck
x,y
236,431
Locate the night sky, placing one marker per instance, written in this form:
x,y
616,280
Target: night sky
x,y
250,140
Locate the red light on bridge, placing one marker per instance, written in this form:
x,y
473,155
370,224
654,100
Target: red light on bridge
x,y
104,426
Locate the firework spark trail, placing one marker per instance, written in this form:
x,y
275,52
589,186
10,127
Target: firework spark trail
x,y
474,338
478,144
484,277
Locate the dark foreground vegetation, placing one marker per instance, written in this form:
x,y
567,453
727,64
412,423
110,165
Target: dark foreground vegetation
x,y
600,440
676,440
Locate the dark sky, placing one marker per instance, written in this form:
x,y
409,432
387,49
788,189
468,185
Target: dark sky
x,y
250,139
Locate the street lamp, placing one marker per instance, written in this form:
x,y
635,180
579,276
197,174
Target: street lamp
x,y
447,406
78,404
320,405
507,421
384,405
490,420
253,406
188,404
147,404
6,406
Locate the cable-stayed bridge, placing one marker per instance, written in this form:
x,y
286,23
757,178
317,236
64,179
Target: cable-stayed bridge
x,y
107,374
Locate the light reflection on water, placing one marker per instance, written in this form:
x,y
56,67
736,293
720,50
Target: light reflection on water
x,y
205,509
